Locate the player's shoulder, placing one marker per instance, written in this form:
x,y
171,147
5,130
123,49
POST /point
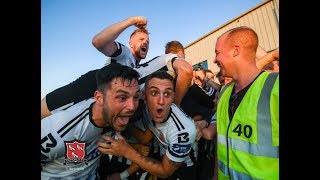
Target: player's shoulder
x,y
82,104
166,57
171,56
179,116
180,123
75,108
119,45
122,50
81,109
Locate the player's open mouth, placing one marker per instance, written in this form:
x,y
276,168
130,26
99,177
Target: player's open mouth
x,y
123,120
144,49
159,111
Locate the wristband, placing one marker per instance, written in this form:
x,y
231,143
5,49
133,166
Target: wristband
x,y
124,175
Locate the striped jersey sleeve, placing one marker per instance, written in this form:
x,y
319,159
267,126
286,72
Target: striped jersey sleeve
x,y
123,56
181,134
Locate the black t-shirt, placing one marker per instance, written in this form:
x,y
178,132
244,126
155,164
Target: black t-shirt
x,y
197,102
73,92
201,96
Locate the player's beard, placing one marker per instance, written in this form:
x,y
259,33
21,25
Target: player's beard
x,y
111,121
141,54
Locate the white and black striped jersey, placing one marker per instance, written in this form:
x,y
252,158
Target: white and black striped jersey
x,y
68,143
177,136
123,56
163,62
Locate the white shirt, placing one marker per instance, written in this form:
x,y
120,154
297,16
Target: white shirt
x,y
163,62
179,133
70,134
123,56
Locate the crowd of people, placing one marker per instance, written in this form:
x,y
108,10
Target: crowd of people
x,y
164,119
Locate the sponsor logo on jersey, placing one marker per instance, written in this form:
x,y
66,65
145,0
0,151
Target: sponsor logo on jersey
x,y
181,148
75,152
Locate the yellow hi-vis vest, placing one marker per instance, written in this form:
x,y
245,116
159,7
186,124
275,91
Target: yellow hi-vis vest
x,y
248,144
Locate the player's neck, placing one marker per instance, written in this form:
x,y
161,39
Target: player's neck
x,y
97,117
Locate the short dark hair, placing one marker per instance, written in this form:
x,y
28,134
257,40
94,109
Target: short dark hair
x,y
160,75
114,70
173,47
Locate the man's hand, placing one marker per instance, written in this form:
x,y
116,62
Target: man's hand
x,y
199,126
114,147
143,149
139,21
199,75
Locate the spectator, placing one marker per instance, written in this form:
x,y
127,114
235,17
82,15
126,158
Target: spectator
x,y
248,110
223,80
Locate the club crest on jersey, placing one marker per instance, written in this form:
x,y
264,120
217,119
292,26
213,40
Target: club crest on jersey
x,y
75,152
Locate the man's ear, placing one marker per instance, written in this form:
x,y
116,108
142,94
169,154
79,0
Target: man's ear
x,y
143,95
236,50
98,96
130,44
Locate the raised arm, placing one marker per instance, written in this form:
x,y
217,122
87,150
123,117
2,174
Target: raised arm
x,y
183,79
260,52
268,58
104,41
202,77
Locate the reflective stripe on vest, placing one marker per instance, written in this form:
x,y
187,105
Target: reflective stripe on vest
x,y
264,146
234,174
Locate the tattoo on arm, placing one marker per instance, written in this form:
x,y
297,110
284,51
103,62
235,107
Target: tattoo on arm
x,y
149,160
